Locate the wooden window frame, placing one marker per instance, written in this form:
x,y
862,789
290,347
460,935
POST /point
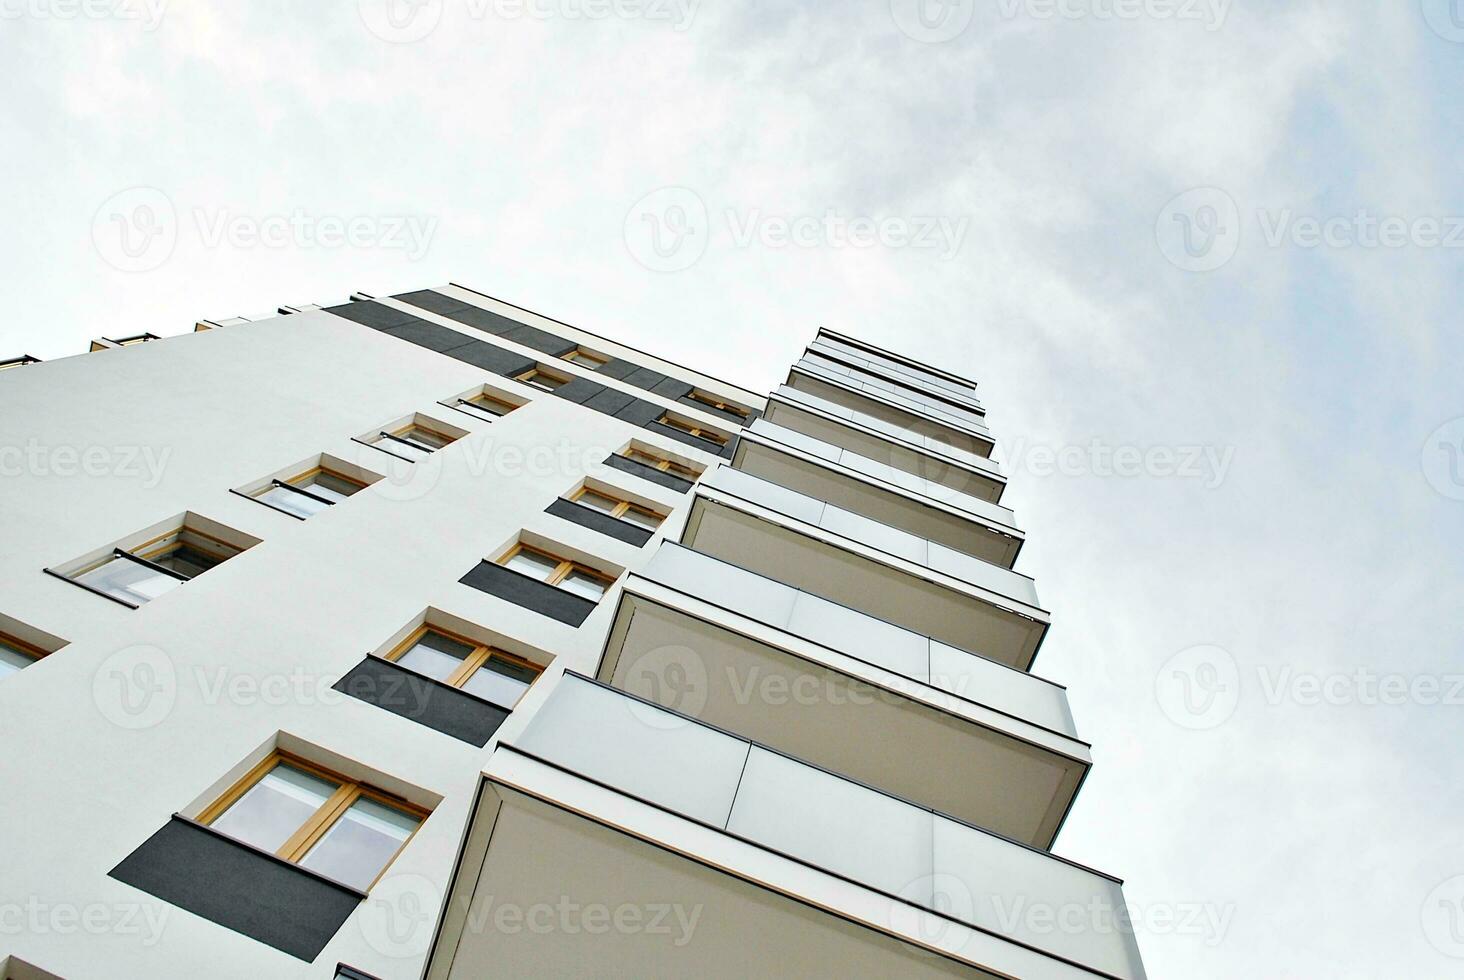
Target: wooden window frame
x,y
664,464
622,506
588,358
26,649
503,403
562,571
695,429
330,812
538,369
702,398
401,433
482,653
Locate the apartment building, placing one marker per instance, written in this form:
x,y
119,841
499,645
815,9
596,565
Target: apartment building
x,y
427,636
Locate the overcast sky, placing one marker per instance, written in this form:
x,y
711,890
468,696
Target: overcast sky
x,y
1204,259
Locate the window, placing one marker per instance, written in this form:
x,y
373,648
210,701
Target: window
x,y
485,405
16,654
141,338
587,358
613,506
694,429
413,442
21,361
655,461
140,574
309,493
316,819
491,674
571,576
543,379
712,401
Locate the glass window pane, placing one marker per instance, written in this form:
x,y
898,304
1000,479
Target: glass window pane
x,y
423,437
12,658
406,450
185,559
287,499
583,585
641,519
128,580
435,655
500,681
487,406
533,564
360,843
328,485
598,501
275,807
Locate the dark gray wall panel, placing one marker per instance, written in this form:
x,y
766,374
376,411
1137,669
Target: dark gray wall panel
x,y
239,887
490,358
373,315
618,369
640,412
530,593
649,473
541,340
484,320
645,378
430,335
597,521
430,299
609,401
671,388
579,391
423,700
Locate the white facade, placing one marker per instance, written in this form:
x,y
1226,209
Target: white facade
x,y
140,714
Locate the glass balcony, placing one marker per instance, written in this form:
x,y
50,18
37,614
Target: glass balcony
x,y
756,536
876,534
856,634
865,856
923,455
877,490
872,395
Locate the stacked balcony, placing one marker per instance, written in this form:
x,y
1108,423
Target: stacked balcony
x,y
815,716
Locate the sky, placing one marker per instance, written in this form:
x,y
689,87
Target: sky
x,y
1202,256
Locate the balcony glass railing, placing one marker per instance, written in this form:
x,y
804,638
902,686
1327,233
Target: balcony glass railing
x,y
891,540
897,434
861,636
878,841
885,473
876,387
874,362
